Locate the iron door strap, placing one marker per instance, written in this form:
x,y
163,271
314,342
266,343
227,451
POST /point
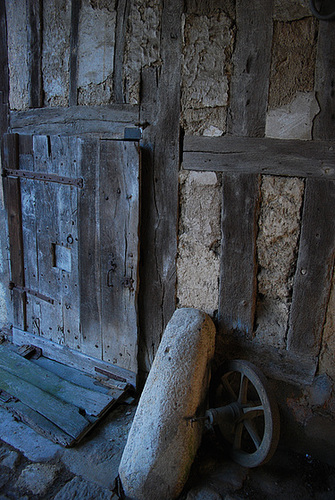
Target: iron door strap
x,y
23,289
40,176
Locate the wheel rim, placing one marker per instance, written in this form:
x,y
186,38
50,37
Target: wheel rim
x,y
253,437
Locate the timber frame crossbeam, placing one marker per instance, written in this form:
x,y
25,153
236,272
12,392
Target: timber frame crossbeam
x,y
253,155
242,161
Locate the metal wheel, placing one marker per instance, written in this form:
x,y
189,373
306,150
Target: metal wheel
x,y
244,413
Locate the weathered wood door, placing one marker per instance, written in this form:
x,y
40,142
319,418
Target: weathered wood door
x,y
73,212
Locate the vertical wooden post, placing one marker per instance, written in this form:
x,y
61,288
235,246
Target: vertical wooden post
x,y
4,75
35,33
238,278
315,264
12,195
4,123
122,14
160,164
241,193
75,13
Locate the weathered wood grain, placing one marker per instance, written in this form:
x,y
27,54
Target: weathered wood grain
x,y
4,75
50,322
160,181
67,356
89,251
64,415
260,156
324,122
34,33
118,251
122,14
94,403
246,117
74,34
101,121
277,364
12,198
315,263
237,297
29,226
39,423
251,63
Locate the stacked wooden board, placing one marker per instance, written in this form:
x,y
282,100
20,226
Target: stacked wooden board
x,y
52,404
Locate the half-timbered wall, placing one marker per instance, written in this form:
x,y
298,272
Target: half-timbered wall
x,y
251,239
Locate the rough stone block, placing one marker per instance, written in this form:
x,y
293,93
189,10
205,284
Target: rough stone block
x,y
37,478
85,490
162,442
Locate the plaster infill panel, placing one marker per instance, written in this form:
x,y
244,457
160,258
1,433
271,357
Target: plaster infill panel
x,y
207,49
198,263
96,54
277,246
142,44
56,51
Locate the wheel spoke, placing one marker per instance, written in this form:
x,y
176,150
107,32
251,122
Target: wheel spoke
x,y
242,396
250,412
229,388
238,436
253,433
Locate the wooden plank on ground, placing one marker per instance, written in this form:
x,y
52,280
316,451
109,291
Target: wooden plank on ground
x,y
119,247
160,181
66,416
238,283
260,156
314,270
103,121
94,403
72,358
38,423
251,63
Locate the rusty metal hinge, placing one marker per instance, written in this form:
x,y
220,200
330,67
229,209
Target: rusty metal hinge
x,y
23,289
40,176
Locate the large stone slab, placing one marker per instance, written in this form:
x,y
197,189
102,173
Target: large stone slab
x,y
162,442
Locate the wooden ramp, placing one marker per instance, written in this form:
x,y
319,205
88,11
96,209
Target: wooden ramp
x,y
59,402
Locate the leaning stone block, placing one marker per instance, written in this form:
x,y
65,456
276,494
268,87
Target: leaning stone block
x,y
162,442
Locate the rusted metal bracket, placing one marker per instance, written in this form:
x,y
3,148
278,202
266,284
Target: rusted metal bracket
x,y
23,289
39,176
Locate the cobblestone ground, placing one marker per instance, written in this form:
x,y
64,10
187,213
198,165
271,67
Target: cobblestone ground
x,y
35,469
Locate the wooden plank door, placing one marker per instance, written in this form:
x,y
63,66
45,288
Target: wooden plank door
x,y
74,242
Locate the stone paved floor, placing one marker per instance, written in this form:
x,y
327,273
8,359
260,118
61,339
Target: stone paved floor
x,y
32,467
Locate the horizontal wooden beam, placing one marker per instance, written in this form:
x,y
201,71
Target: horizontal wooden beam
x,y
69,357
105,121
292,158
